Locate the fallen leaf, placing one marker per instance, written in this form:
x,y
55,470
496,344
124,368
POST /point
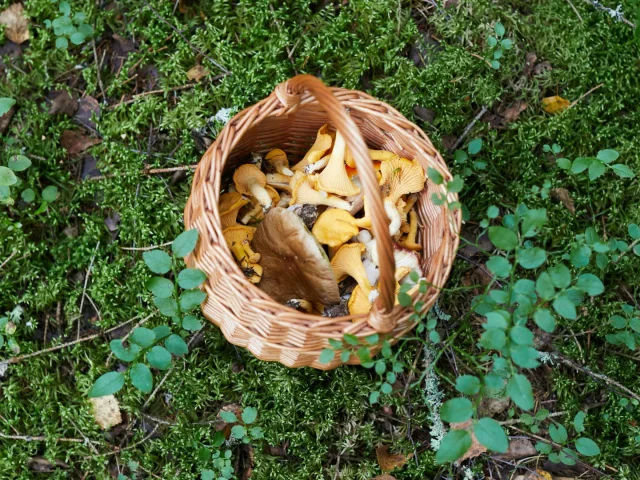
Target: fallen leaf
x,y
563,195
529,62
112,221
384,477
106,411
87,108
539,474
197,73
122,44
63,104
42,465
89,168
389,461
494,406
542,67
512,113
16,24
75,142
5,119
425,114
555,104
519,448
476,447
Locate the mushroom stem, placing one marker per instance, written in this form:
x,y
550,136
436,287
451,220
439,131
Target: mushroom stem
x,y
260,194
252,256
319,165
252,271
410,241
254,214
393,215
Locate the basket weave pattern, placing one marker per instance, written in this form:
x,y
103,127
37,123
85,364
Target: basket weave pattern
x,y
289,119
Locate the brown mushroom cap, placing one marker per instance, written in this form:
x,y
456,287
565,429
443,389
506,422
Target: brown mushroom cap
x,y
228,206
249,180
293,264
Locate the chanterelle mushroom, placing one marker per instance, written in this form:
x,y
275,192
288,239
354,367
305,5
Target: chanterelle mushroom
x,y
359,303
278,160
348,262
318,149
257,212
410,241
228,206
399,177
249,180
294,264
304,192
239,241
375,155
335,226
334,177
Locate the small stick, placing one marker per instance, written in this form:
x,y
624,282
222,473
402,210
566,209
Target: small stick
x,y
575,10
84,288
13,254
98,66
618,16
481,58
144,249
106,364
38,438
64,345
95,307
87,441
227,72
152,92
149,171
468,128
584,95
46,327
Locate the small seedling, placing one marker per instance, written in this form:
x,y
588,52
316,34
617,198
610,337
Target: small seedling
x,y
497,45
68,28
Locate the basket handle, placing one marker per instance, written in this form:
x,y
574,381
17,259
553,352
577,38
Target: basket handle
x,y
289,93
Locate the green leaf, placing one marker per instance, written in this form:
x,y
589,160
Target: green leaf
x,y
460,156
560,275
161,287
28,195
184,243
107,384
493,211
544,319
564,163
249,415
238,431
580,256
7,177
77,38
191,323
380,367
161,331
558,433
580,164
191,299
456,410
474,146
596,169
374,397
543,448
453,446
386,388
85,29
256,433
495,64
6,104
326,356
18,163
622,171
545,287
159,357
500,30
143,337
542,414
568,456
499,266
125,354
497,319
141,377
468,384
634,231
228,417
519,389
344,356
166,306
617,321
578,422
62,43
587,447
493,339
503,238
50,193
492,41
157,261
176,345
455,185
590,284
65,8
531,258
434,336
521,335
565,307
497,54
532,221
435,176
351,339
207,474
607,156
524,356
191,278
490,434
373,339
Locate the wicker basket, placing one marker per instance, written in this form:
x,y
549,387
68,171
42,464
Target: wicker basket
x,y
289,119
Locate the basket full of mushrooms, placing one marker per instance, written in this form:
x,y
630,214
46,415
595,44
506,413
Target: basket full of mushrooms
x,y
313,208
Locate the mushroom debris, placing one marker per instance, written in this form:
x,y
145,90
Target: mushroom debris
x,y
312,228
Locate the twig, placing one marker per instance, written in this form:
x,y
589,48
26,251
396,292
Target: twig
x,y
613,13
584,95
38,438
95,307
98,66
481,58
149,171
46,327
144,249
575,10
629,249
144,320
514,421
484,270
13,254
87,441
599,376
84,288
468,128
153,10
152,92
64,345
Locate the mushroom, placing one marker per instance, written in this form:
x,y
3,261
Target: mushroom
x,y
319,165
359,303
300,304
248,179
307,212
257,213
284,200
399,177
239,241
252,271
334,178
348,262
335,226
229,205
318,149
410,240
279,181
278,160
376,155
294,264
303,192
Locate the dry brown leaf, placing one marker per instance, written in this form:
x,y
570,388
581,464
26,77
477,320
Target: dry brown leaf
x,y
529,62
512,113
555,104
384,476
197,73
539,474
75,142
5,119
389,461
519,448
63,104
476,447
106,411
87,108
563,195
42,465
16,24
